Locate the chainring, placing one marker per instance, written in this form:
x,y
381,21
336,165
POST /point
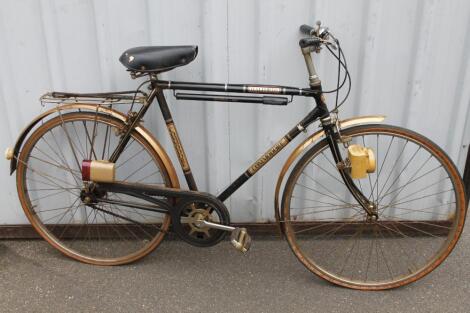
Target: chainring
x,y
186,214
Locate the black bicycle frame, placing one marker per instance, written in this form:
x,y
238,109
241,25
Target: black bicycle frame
x,y
320,111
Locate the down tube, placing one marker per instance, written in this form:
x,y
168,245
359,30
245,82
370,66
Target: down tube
x,y
275,149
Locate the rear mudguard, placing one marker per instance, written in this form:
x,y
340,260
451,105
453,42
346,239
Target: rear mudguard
x,y
65,108
306,144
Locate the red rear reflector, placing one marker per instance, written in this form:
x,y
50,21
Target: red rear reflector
x,y
86,166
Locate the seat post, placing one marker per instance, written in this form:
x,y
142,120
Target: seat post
x,y
170,125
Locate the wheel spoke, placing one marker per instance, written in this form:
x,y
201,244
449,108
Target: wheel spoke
x,y
393,168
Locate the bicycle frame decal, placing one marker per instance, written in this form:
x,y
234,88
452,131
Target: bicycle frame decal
x,y
178,147
264,89
268,155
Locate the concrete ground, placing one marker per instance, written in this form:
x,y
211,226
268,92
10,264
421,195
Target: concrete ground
x,y
180,278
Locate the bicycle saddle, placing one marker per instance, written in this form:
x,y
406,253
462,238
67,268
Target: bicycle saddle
x,y
157,59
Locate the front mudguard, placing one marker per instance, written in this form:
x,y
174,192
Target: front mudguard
x,y
306,144
64,108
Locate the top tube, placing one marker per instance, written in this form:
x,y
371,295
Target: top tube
x,y
238,88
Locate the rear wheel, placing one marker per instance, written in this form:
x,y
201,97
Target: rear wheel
x,y
421,211
49,185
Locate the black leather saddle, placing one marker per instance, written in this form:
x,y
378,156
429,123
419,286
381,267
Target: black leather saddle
x,y
157,59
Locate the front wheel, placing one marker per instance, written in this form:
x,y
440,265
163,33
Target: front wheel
x,y
421,206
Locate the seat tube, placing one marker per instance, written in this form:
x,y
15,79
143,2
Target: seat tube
x,y
170,125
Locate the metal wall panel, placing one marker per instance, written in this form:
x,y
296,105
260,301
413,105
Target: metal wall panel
x,y
408,60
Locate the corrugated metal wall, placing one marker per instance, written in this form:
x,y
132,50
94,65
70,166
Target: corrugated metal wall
x,y
408,60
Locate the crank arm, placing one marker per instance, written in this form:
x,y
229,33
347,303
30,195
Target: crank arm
x,y
239,238
204,223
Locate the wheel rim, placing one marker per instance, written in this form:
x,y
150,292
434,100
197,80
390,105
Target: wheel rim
x,y
420,217
49,185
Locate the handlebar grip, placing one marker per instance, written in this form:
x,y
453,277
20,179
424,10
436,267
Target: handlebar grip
x,y
306,29
309,42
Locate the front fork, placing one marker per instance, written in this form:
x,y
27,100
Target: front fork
x,y
332,135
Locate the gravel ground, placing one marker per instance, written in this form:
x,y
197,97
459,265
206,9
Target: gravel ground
x,y
180,278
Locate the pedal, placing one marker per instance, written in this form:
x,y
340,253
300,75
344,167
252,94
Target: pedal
x,y
240,239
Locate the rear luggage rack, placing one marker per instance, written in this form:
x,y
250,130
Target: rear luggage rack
x,y
105,98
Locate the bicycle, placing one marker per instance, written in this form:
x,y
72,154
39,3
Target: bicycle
x,y
383,208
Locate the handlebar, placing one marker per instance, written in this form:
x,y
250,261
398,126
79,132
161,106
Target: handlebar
x,y
316,37
318,31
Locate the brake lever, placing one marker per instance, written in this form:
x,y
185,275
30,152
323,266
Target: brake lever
x,y
332,45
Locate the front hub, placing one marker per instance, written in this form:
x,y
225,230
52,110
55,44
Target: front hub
x,y
372,214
